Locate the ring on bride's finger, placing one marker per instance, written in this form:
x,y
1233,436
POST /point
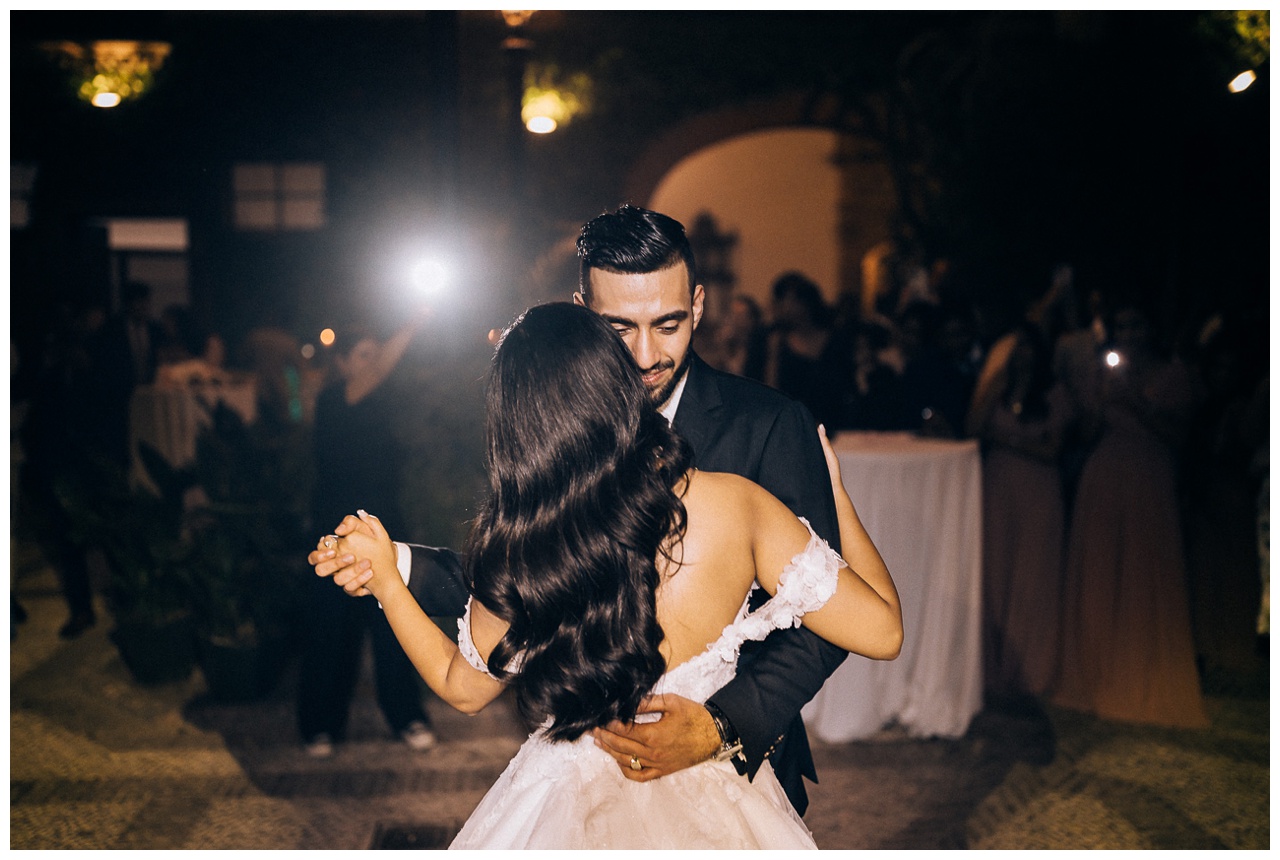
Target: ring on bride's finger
x,y
635,763
329,541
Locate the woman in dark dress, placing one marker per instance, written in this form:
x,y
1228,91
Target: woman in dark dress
x,y
808,359
361,461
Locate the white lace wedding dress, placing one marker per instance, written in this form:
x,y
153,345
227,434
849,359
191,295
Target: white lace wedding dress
x,y
572,794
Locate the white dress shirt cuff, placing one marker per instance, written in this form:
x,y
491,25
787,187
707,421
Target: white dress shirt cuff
x,y
404,559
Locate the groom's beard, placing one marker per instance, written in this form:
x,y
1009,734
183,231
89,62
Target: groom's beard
x,y
662,393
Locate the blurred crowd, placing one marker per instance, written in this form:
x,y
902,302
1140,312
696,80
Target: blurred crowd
x,y
1125,461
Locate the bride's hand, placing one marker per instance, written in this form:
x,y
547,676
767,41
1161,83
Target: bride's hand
x,y
372,545
833,463
346,570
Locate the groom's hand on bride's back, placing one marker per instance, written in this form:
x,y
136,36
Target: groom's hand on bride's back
x,y
684,736
347,571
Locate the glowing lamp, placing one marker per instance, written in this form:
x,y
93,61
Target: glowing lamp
x,y
544,109
540,124
1241,82
326,337
1113,359
105,73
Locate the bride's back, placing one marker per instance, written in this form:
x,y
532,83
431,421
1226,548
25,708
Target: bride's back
x,y
712,568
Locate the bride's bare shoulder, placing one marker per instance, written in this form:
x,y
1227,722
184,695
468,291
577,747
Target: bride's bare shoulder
x,y
723,491
734,498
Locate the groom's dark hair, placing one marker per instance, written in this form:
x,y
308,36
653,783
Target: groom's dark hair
x,y
632,241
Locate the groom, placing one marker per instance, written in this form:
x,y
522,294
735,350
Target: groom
x,y
636,269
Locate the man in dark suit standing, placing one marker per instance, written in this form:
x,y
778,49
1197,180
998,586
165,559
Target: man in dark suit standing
x,y
124,358
637,271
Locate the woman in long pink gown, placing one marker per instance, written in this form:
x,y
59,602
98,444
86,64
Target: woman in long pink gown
x,y
1022,417
1127,649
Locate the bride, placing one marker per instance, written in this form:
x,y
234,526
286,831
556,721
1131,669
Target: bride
x,y
604,567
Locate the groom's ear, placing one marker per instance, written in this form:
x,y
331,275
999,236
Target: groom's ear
x,y
579,299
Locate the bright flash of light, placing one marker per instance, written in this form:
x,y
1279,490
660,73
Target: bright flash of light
x,y
105,100
541,125
429,277
1241,82
1113,359
326,337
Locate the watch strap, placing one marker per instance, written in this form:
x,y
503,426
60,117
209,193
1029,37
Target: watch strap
x,y
730,743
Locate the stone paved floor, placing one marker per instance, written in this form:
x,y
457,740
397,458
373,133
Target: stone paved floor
x,y
98,761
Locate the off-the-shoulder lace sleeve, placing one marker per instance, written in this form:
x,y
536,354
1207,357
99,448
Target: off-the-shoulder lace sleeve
x,y
468,646
471,654
805,585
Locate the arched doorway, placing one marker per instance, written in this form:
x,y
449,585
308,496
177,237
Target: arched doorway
x,y
795,188
777,192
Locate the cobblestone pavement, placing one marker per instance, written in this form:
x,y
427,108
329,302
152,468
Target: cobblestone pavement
x,y
98,761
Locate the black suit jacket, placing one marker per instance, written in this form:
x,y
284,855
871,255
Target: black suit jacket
x,y
741,426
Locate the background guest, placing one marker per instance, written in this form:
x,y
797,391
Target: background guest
x,y
1221,486
1127,644
1021,416
124,357
740,342
1077,359
61,444
807,360
361,462
873,402
935,389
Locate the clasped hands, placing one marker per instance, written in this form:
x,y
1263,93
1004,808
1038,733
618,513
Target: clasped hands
x,y
350,553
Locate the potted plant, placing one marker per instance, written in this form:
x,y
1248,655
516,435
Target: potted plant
x,y
143,538
247,551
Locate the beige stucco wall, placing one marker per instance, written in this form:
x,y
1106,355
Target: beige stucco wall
x,y
778,190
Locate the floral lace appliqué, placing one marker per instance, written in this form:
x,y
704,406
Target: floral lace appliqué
x,y
805,585
468,646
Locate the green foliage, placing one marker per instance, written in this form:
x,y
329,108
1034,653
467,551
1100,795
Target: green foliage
x,y
141,533
1244,35
246,530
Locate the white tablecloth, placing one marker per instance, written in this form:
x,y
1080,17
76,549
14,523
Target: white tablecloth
x,y
169,418
921,502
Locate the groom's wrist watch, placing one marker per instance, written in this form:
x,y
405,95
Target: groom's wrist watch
x,y
730,744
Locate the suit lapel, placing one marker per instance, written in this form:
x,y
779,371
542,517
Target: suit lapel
x,y
695,418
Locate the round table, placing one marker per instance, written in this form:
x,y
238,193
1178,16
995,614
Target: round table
x,y
920,500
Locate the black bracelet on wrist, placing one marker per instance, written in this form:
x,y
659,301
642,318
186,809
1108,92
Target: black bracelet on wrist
x,y
730,744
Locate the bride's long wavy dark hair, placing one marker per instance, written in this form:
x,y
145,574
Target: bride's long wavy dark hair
x,y
583,474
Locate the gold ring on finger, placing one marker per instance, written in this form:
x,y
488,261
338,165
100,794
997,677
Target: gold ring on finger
x,y
635,763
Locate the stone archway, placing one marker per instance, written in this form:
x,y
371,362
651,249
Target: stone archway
x,y
862,198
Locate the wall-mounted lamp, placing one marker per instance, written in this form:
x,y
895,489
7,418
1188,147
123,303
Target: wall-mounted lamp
x,y
105,73
552,99
544,110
